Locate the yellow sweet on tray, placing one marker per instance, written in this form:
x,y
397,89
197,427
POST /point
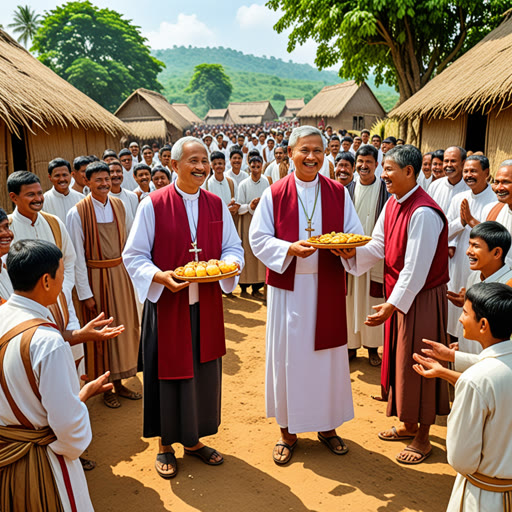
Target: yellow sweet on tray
x,y
334,238
211,268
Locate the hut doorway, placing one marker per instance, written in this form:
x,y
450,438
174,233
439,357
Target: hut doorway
x,y
475,132
19,151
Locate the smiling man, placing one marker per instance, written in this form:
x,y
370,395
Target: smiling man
x,y
411,235
465,211
6,237
307,372
182,327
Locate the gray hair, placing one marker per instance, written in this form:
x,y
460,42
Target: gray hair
x,y
506,163
304,131
177,149
406,155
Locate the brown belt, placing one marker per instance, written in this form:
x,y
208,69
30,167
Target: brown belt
x,y
104,263
487,483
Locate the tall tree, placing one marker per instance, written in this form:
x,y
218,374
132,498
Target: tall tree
x,y
403,42
212,84
97,51
26,23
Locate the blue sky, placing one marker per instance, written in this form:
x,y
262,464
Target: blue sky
x,y
245,26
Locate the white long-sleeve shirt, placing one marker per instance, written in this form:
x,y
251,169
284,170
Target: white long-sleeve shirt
x,y
58,204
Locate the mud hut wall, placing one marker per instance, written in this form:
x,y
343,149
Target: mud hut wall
x,y
5,149
442,133
499,137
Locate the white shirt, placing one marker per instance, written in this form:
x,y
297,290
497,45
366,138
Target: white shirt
x,y
237,178
423,232
137,252
5,283
59,204
131,203
129,182
220,188
442,192
249,190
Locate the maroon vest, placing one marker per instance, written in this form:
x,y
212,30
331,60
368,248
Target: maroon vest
x,y
171,250
331,274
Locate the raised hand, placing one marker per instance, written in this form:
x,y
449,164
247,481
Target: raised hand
x,y
95,387
384,311
438,351
457,299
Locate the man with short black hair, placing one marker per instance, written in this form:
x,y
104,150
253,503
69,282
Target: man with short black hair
x,y
60,198
387,144
236,158
78,173
346,144
135,151
128,163
109,155
365,136
334,148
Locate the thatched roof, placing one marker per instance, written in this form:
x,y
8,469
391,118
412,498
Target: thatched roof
x,y
185,111
216,113
332,99
250,112
149,130
158,103
294,104
33,96
479,80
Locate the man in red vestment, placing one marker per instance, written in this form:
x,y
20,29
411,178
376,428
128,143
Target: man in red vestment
x,y
182,326
411,235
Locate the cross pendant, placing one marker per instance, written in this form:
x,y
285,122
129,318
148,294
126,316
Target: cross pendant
x,y
309,229
195,250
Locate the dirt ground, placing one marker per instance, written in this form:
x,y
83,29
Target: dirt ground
x,y
366,479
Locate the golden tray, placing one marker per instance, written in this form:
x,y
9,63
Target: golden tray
x,y
338,246
206,279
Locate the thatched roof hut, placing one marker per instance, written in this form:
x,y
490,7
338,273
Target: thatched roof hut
x,y
43,117
151,118
469,103
251,112
291,108
217,116
346,106
186,112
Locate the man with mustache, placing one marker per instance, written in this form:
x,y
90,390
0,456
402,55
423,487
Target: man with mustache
x,y
60,198
369,195
411,235
443,190
344,171
97,226
182,327
466,209
128,163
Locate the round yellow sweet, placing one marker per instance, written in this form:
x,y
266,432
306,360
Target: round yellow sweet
x,y
201,271
213,270
190,272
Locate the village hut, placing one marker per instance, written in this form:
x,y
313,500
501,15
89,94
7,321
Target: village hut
x,y
347,106
43,117
469,103
251,112
151,118
217,116
291,108
187,113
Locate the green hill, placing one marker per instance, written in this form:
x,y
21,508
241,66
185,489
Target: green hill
x,y
253,78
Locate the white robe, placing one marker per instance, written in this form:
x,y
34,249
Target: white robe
x,y
505,219
442,192
131,203
270,169
464,357
423,232
423,181
359,302
248,191
54,368
458,237
58,204
137,252
5,283
306,390
220,188
22,228
237,178
129,181
479,426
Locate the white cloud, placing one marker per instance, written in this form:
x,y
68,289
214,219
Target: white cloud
x,y
256,16
188,30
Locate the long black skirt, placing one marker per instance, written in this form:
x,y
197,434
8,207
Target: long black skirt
x,y
179,411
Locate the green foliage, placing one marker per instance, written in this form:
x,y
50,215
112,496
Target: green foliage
x,y
26,23
97,51
212,84
295,80
278,97
403,42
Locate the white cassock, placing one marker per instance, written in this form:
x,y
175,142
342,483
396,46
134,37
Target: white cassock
x,y
129,182
423,233
54,368
58,204
306,389
479,426
458,237
325,170
22,228
359,302
505,219
442,192
423,181
137,252
237,178
220,188
468,348
270,169
131,203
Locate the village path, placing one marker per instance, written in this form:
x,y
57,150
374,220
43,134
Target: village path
x,y
365,479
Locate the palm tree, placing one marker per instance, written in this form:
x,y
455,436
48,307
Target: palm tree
x,y
26,23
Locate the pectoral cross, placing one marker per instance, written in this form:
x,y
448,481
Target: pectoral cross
x,y
195,250
309,229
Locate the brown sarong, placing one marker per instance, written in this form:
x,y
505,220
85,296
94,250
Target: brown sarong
x,y
413,398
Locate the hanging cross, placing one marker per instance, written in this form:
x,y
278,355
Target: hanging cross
x,y
195,250
309,229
